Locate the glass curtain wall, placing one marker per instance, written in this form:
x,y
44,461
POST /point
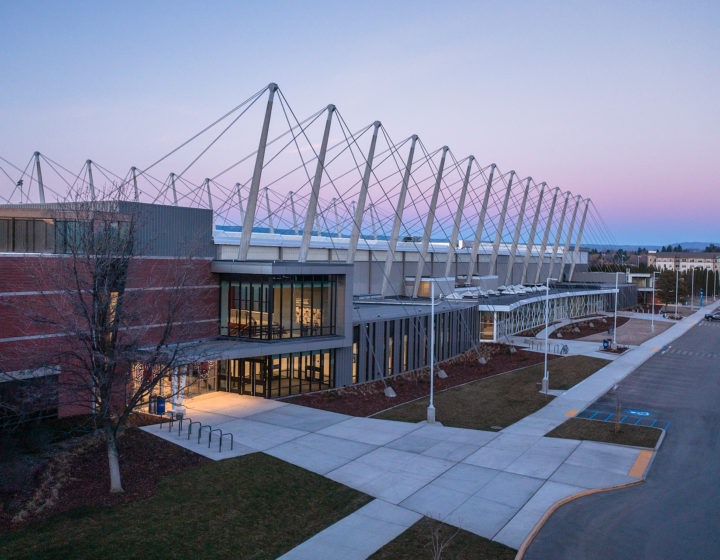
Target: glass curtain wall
x,y
276,307
278,375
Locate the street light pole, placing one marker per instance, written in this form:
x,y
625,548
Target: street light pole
x,y
615,319
546,374
692,288
652,317
677,279
431,408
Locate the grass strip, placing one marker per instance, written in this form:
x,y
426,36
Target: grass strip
x,y
500,400
594,430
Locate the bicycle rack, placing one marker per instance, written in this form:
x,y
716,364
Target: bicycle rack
x,y
172,419
201,429
210,436
232,441
190,425
180,421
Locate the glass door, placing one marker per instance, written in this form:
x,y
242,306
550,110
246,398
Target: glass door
x,y
259,376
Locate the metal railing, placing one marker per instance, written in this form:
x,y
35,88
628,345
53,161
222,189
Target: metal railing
x,y
553,348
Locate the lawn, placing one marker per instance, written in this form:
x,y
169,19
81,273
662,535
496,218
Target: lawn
x,y
417,544
253,506
594,430
500,400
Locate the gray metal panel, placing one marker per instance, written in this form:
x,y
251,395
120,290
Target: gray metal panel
x,y
161,231
171,231
280,267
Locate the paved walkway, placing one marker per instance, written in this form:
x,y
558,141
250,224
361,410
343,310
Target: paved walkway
x,y
575,347
495,484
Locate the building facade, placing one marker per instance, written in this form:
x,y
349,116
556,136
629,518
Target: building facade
x,y
685,260
272,325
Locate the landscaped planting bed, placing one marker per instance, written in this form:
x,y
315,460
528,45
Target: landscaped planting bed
x,y
369,398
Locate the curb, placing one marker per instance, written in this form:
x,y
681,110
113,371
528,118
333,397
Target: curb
x,y
539,525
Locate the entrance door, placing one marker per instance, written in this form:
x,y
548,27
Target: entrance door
x,y
259,376
245,377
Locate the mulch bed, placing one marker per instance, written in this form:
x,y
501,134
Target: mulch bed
x,y
80,476
599,325
369,398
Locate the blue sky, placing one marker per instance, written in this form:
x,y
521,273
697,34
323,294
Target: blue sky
x,y
614,100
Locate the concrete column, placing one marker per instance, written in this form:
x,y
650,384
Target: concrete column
x,y
558,235
458,218
240,204
269,212
133,170
576,253
292,208
531,238
315,193
429,222
249,218
568,238
500,227
207,188
359,209
392,242
174,190
546,236
41,186
372,220
518,228
90,180
337,219
480,225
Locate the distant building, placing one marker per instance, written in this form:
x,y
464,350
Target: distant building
x,y
683,261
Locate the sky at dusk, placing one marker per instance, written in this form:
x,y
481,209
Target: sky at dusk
x,y
617,101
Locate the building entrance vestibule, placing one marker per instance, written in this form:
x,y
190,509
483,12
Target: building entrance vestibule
x,y
278,375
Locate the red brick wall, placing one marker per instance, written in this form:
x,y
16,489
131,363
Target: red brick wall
x,y
33,325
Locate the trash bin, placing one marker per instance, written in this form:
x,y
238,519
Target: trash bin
x,y
606,343
160,406
152,405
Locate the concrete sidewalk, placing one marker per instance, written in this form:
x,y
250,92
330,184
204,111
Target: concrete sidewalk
x,y
586,392
575,347
495,484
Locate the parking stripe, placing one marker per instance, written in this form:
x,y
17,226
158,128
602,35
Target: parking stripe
x,y
641,463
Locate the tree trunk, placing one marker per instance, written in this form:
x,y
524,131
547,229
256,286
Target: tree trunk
x,y
113,459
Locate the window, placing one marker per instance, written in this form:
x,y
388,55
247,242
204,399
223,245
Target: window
x,y
27,235
278,375
275,307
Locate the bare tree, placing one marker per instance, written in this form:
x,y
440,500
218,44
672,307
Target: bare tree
x,y
438,543
118,320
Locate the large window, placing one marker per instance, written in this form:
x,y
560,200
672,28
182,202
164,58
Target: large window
x,y
275,307
27,235
278,375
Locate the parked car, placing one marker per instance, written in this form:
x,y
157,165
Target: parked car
x,y
713,316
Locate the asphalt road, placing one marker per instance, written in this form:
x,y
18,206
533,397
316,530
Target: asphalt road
x,y
675,514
